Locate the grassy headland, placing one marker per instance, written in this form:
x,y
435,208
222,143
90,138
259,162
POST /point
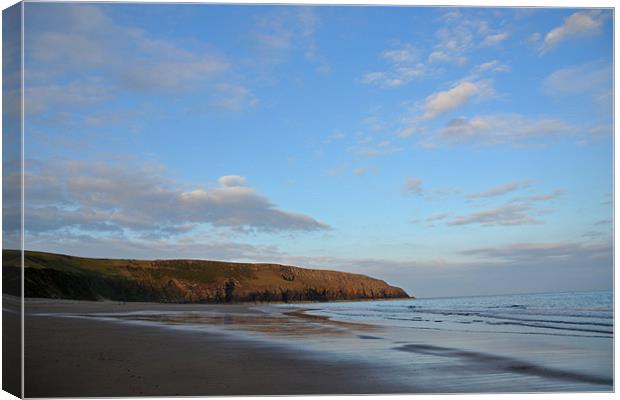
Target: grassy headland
x,y
49,275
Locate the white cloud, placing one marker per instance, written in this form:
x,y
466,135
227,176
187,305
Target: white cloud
x,y
402,55
442,102
118,58
444,56
494,39
231,180
454,41
579,24
412,185
501,189
492,66
403,67
459,35
96,197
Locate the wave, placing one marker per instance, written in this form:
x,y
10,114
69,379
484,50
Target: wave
x,y
585,313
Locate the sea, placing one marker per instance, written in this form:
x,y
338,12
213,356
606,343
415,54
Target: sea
x,y
543,342
580,314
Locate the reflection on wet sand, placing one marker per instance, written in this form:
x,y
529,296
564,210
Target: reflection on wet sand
x,y
292,324
418,359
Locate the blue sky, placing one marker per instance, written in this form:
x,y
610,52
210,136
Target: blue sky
x,y
449,151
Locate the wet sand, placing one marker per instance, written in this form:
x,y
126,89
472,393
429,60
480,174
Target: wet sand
x,y
84,349
84,357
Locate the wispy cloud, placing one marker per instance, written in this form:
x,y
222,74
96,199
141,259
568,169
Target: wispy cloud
x,y
539,252
580,78
438,217
501,189
233,97
375,149
374,123
505,215
106,48
453,41
443,102
334,137
594,234
285,29
41,98
492,66
494,39
167,75
459,35
403,66
593,79
608,199
104,59
499,129
579,24
412,186
281,33
456,37
432,219
539,197
486,71
146,247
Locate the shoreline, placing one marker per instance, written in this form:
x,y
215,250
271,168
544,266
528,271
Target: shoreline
x,y
34,300
82,357
105,349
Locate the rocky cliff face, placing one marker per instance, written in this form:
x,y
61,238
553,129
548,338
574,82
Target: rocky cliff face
x,y
58,276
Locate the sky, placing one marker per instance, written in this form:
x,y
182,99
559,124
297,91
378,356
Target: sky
x,y
448,151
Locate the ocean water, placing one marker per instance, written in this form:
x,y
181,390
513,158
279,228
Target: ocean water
x,y
587,314
549,342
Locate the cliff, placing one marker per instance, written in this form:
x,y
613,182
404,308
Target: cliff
x,y
59,276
